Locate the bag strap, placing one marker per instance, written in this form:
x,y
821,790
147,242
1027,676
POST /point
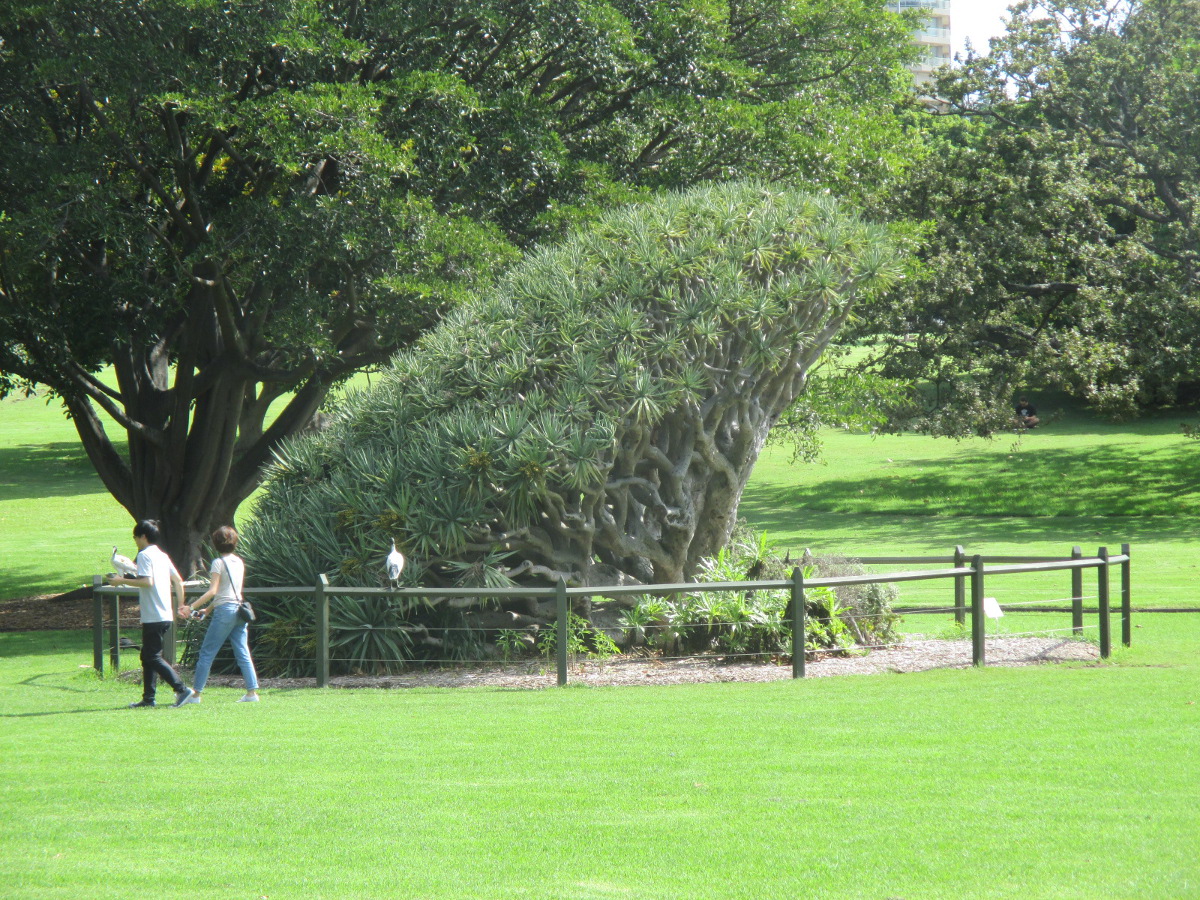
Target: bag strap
x,y
237,595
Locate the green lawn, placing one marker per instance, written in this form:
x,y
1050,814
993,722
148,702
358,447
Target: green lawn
x,y
1066,781
1077,481
58,524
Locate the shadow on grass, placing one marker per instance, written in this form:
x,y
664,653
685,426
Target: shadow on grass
x,y
827,531
64,712
32,580
36,681
1081,424
44,643
1062,414
1042,483
60,469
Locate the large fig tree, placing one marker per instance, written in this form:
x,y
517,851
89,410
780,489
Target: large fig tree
x,y
1062,187
236,206
595,417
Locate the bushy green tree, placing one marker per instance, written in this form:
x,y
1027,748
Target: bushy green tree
x,y
1060,189
234,204
595,417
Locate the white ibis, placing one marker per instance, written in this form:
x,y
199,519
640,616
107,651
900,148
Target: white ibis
x,y
395,564
123,564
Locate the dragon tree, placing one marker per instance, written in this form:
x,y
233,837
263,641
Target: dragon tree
x,y
595,417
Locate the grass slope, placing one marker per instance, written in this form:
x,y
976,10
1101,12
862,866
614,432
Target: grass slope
x,y
1033,783
58,524
1077,481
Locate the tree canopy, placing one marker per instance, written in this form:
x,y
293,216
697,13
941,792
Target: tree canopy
x,y
234,204
1059,189
595,417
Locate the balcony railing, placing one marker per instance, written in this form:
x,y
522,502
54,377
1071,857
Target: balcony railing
x,y
933,33
930,61
938,5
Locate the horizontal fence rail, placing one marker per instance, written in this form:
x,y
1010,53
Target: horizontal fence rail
x,y
965,571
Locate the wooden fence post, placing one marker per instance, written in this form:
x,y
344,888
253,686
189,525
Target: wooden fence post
x,y
114,632
1105,623
1126,601
960,586
321,601
977,619
97,625
564,622
798,624
1077,593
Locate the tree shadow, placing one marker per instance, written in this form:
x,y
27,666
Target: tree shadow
x,y
30,580
40,643
824,531
1112,482
59,469
64,712
34,681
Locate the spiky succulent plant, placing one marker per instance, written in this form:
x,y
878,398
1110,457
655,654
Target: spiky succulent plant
x,y
595,416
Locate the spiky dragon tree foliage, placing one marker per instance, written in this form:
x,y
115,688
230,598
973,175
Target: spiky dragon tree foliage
x,y
594,417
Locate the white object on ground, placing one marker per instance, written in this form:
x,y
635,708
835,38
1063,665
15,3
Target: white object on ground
x,y
991,608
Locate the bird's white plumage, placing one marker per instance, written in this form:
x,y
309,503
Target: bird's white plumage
x,y
123,564
395,563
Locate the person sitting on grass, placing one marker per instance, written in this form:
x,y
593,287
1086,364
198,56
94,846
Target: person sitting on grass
x,y
1026,414
225,592
155,580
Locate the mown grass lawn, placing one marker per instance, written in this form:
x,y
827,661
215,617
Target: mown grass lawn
x,y
56,519
1077,481
1065,781
58,524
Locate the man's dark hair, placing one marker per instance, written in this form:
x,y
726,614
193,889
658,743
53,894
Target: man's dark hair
x,y
225,539
149,529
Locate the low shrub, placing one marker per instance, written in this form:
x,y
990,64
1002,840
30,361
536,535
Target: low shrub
x,y
758,623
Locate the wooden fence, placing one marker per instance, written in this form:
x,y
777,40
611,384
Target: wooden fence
x,y
968,572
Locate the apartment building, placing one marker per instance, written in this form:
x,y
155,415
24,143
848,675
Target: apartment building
x,y
934,37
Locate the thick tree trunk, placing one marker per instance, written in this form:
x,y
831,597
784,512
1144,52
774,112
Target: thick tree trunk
x,y
189,473
673,490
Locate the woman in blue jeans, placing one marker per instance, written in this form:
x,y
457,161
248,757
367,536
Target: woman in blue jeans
x,y
224,593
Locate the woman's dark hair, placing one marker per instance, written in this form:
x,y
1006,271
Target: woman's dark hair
x,y
225,539
149,529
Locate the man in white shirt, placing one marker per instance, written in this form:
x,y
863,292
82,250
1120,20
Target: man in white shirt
x,y
156,579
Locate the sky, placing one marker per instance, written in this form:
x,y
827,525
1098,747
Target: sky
x,y
977,20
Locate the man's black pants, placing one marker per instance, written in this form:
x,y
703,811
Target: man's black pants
x,y
153,664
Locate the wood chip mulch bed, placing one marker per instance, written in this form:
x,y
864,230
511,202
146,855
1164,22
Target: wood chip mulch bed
x,y
57,613
917,654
